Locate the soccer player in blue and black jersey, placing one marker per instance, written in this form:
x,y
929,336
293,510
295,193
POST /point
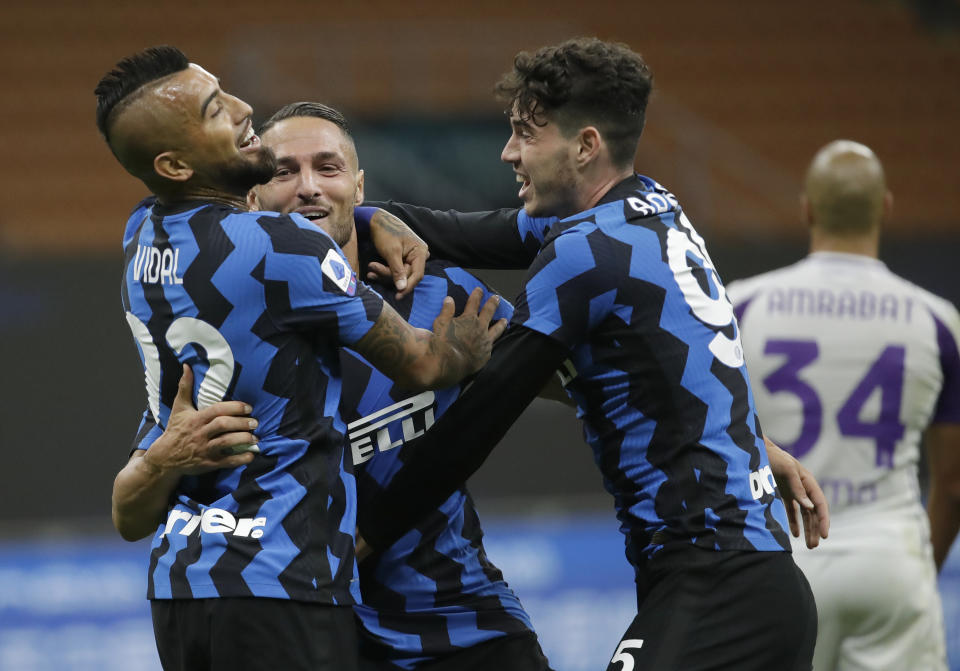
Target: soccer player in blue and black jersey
x,y
623,298
252,562
432,600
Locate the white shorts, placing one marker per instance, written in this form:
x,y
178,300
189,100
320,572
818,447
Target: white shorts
x,y
877,602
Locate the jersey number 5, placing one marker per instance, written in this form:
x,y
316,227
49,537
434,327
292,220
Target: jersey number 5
x,y
182,332
885,374
622,656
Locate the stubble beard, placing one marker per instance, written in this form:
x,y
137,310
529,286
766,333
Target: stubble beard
x,y
241,175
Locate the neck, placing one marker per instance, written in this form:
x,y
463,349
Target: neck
x,y
350,251
865,244
597,188
203,193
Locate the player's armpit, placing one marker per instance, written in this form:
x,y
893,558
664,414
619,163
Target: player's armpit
x,y
417,359
942,442
801,494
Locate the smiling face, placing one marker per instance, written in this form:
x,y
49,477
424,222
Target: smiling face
x,y
544,161
317,174
187,135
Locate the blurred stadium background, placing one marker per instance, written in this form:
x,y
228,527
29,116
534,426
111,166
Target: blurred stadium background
x,y
746,92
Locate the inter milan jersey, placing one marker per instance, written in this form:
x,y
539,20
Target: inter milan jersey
x,y
434,591
657,373
851,364
257,304
656,369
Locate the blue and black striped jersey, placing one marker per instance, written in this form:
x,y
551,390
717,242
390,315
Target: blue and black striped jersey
x,y
257,303
657,372
629,293
434,591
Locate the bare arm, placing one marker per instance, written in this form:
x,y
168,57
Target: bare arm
x,y
405,253
943,503
193,442
799,489
418,359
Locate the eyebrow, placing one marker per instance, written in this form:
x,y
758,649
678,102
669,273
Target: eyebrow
x,y
203,108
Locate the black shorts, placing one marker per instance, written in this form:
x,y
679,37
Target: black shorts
x,y
516,652
701,610
253,634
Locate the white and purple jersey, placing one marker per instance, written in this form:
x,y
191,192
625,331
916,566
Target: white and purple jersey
x,y
850,363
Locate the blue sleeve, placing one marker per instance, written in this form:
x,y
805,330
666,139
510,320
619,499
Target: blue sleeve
x,y
147,433
309,284
468,282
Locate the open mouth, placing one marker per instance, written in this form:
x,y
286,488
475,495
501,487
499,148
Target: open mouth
x,y
525,184
313,214
249,139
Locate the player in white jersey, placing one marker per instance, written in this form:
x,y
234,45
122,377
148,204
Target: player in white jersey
x,y
851,365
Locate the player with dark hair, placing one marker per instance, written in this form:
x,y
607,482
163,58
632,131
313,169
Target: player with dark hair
x,y
433,599
253,553
853,366
624,299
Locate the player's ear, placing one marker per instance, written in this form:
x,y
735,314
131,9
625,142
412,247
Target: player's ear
x,y
170,166
589,142
887,205
358,196
253,202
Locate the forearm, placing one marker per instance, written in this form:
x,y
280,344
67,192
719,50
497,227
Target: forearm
x,y
141,496
943,509
474,240
943,502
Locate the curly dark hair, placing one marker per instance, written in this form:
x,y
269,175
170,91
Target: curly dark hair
x,y
117,88
583,81
307,109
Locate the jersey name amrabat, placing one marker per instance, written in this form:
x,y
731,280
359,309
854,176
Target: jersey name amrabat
x,y
257,303
850,365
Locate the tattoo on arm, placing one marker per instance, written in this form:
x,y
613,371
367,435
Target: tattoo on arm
x,y
389,223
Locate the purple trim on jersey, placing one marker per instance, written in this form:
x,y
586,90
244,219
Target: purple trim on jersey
x,y
948,405
738,310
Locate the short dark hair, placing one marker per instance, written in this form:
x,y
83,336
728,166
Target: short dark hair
x,y
308,109
129,75
583,81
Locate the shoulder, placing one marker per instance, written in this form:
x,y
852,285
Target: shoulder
x,y
136,218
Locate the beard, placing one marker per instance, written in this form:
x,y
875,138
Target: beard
x,y
242,174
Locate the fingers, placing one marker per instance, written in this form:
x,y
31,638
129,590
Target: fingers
x,y
184,397
498,328
489,309
377,271
236,460
224,409
472,306
414,268
793,515
442,322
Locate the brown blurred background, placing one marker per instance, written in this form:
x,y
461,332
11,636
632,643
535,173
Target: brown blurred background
x,y
746,92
